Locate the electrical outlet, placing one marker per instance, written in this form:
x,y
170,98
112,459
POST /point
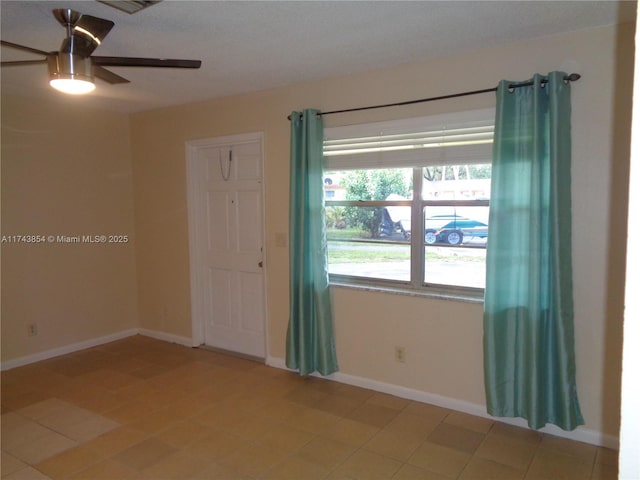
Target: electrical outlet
x,y
400,354
32,330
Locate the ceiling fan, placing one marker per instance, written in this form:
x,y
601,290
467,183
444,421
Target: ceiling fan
x,y
73,68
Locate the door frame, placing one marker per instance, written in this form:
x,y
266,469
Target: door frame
x,y
197,246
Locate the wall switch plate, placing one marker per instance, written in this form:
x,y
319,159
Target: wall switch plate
x,y
281,239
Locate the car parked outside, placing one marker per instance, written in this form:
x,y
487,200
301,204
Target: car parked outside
x,y
452,229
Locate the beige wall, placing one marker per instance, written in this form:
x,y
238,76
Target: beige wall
x,y
66,170
442,338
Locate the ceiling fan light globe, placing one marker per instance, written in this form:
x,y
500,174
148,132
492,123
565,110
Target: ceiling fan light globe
x,y
72,86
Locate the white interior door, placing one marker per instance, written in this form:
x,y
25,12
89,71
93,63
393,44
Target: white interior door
x,y
231,240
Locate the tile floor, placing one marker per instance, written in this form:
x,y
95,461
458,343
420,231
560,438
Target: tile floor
x,y
144,409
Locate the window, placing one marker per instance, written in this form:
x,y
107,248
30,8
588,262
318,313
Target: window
x,y
407,202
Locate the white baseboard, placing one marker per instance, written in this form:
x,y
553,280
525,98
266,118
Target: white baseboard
x,y
75,347
580,434
167,337
94,342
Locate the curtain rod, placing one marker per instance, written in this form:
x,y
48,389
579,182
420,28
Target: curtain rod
x,y
569,78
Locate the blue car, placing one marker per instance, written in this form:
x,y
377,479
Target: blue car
x,y
453,232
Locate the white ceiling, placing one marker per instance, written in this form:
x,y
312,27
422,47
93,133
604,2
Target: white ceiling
x,y
250,46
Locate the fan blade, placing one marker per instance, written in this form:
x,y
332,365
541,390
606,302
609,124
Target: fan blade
x,y
97,27
107,76
145,62
23,62
23,48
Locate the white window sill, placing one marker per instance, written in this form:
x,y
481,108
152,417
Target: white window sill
x,y
468,297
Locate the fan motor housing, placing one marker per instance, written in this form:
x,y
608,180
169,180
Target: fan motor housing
x,y
69,66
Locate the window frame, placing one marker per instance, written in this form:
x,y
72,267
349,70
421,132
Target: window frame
x,y
416,285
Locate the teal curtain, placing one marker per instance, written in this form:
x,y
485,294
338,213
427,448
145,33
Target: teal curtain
x,y
310,339
529,361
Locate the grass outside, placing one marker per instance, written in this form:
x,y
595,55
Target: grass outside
x,y
345,233
341,250
359,255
